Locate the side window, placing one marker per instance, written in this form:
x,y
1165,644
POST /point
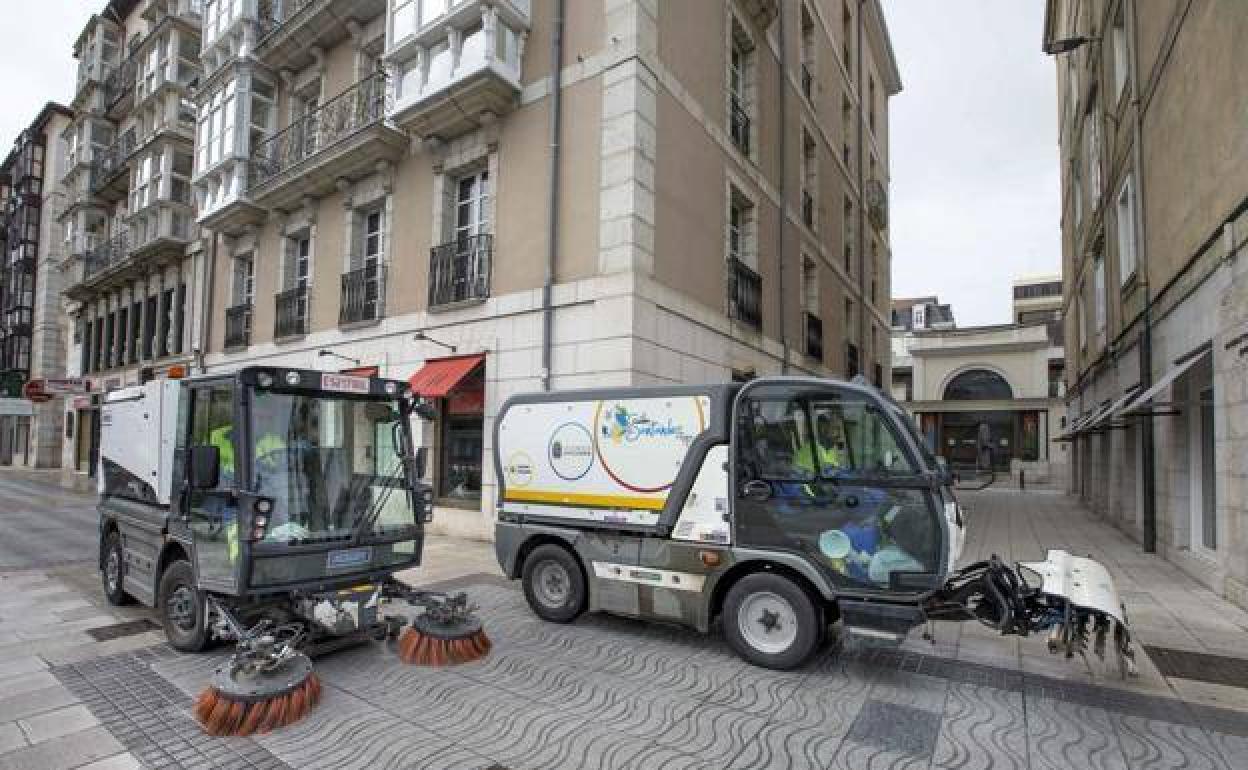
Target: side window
x,y
212,424
853,437
776,445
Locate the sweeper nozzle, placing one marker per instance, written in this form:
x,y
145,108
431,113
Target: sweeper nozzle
x,y
239,702
448,632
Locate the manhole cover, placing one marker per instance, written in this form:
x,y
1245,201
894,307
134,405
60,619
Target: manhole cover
x,y
1201,666
118,630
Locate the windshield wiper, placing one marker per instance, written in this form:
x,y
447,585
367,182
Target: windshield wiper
x,y
374,511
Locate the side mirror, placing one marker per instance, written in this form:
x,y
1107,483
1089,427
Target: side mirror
x,y
422,459
425,411
205,470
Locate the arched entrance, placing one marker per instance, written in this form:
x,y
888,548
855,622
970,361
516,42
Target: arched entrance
x,y
990,429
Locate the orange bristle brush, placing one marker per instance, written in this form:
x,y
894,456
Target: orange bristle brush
x,y
429,641
238,703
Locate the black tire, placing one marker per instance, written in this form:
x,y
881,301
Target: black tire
x,y
554,585
771,621
113,571
184,625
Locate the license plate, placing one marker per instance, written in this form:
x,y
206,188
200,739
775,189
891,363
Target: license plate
x,y
349,557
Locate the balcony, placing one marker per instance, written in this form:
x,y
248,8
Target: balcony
x,y
814,336
459,66
291,317
119,88
363,293
343,139
290,29
110,177
739,125
745,294
102,261
459,271
161,232
189,11
237,326
877,204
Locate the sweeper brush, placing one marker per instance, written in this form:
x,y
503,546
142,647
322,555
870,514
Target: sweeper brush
x,y
243,703
448,632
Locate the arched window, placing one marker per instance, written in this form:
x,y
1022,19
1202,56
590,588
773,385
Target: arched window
x,y
978,385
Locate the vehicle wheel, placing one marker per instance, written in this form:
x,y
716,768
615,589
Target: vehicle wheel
x,y
771,622
553,584
181,608
113,571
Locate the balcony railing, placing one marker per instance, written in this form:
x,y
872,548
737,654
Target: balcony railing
x,y
459,271
238,326
362,294
112,160
276,13
291,318
739,125
359,106
106,254
745,294
814,336
120,82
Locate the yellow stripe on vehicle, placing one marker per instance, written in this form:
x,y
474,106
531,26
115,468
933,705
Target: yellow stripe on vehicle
x,y
579,498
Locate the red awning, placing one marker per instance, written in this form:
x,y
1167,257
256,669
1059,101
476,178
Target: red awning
x,y
440,376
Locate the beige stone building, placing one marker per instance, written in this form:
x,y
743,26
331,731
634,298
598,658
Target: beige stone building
x,y
1154,178
499,197
128,231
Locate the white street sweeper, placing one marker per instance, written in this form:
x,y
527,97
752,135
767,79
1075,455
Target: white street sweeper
x,y
779,506
271,507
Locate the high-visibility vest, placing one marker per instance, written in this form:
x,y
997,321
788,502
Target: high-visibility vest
x,y
221,439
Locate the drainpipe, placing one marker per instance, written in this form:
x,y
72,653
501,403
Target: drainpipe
x,y
552,223
205,312
1148,462
784,203
861,212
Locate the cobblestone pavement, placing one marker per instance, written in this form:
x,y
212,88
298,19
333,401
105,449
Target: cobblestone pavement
x,y
610,692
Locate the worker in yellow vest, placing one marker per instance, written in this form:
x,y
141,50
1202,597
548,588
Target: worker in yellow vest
x,y
223,439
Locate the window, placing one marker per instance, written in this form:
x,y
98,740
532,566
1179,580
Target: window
x,y
1082,307
1098,287
847,33
871,103
810,285
1076,183
1126,231
1118,40
472,206
848,235
740,77
1092,138
298,261
978,385
244,279
741,234
810,179
808,54
216,127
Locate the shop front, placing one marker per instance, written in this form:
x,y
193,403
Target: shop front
x,y
456,388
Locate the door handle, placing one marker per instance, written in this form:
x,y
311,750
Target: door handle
x,y
756,490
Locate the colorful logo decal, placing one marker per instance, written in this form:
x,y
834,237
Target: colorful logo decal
x,y
519,470
642,443
571,451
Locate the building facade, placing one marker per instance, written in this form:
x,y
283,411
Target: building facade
x,y
129,231
32,342
994,388
498,197
1154,190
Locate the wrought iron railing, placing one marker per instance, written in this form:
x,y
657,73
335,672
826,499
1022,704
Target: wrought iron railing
x,y
274,14
745,293
111,161
739,125
814,336
460,270
120,81
360,106
238,326
106,254
362,292
291,318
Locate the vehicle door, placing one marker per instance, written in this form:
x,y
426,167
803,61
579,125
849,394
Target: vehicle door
x,y
821,471
212,513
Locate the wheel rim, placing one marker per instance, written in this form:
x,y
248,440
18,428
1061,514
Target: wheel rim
x,y
767,622
112,571
181,607
552,585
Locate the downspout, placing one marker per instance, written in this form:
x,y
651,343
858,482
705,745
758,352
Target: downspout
x,y
205,312
552,222
1148,461
861,212
784,203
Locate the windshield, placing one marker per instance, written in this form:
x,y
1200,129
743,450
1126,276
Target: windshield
x,y
328,464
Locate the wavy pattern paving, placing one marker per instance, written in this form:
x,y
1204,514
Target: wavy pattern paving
x,y
984,728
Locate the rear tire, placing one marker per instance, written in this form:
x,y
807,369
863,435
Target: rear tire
x,y
181,607
554,585
771,621
113,571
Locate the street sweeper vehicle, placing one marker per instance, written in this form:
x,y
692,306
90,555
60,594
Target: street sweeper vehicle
x,y
778,506
271,507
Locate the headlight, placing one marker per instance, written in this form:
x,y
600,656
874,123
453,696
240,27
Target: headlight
x,y
264,380
391,388
292,378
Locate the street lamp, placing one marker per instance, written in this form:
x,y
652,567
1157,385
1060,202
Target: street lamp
x,y
1068,44
323,353
422,337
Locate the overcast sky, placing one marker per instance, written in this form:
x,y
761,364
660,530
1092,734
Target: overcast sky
x,y
974,138
975,183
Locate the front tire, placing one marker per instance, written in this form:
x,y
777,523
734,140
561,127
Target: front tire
x,y
113,571
554,585
181,607
771,621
